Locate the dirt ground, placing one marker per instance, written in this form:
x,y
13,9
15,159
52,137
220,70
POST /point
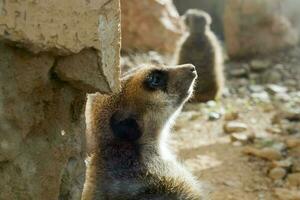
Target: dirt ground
x,y
209,153
263,96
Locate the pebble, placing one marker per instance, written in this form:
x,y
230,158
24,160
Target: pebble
x,y
259,65
292,142
230,116
296,165
262,96
233,127
256,88
214,116
277,173
265,153
294,179
286,194
239,72
241,137
275,89
283,97
271,77
287,163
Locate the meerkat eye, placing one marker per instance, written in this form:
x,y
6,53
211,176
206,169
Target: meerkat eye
x,y
157,80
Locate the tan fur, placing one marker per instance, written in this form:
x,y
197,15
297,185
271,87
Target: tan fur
x,y
145,168
202,49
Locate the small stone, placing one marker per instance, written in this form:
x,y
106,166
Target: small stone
x,y
275,89
287,163
296,165
294,179
211,104
283,97
292,142
239,72
274,130
261,96
214,116
233,126
285,194
277,173
265,153
259,65
243,138
256,88
271,77
230,116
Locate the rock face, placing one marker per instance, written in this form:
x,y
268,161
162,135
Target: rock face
x,y
150,25
257,27
51,54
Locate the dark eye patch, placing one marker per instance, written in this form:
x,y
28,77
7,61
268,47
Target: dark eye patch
x,y
156,80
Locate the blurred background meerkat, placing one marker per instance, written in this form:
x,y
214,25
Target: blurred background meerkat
x,y
202,49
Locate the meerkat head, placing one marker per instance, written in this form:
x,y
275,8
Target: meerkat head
x,y
196,20
149,97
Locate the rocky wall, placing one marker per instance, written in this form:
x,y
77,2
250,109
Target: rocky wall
x,y
51,54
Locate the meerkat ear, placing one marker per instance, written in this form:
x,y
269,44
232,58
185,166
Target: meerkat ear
x,y
125,129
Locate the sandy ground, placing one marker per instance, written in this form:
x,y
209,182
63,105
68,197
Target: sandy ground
x,y
207,151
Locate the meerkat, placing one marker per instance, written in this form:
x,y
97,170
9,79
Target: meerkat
x,y
201,48
127,134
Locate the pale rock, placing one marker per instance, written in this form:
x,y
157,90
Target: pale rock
x,y
287,163
261,96
275,89
271,77
239,72
293,179
292,142
234,126
42,129
277,173
286,194
265,153
259,65
230,116
255,27
256,88
150,25
296,165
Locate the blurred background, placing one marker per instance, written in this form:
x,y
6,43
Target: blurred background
x,y
244,145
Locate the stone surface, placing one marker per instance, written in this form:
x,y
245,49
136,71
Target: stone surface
x,y
277,173
42,96
286,194
233,126
70,69
150,25
259,65
265,153
255,27
294,179
43,25
275,89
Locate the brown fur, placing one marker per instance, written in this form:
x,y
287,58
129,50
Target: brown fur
x,y
140,169
202,49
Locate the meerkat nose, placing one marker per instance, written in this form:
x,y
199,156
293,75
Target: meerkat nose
x,y
190,68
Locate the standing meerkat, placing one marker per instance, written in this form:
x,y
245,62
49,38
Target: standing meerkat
x,y
202,49
127,133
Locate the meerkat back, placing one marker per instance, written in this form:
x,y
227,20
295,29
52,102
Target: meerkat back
x,y
127,133
201,48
